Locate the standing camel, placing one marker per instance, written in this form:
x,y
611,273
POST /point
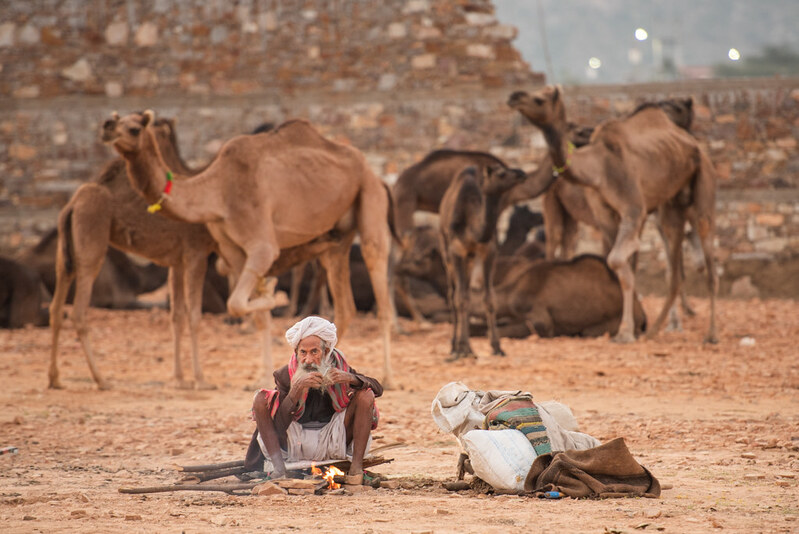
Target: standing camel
x,y
268,192
469,212
637,164
107,212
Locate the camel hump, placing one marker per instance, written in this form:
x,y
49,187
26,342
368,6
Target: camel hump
x,y
113,171
300,132
473,157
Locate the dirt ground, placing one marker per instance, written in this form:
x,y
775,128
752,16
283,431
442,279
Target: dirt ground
x,y
717,425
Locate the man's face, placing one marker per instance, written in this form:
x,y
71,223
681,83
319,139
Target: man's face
x,y
309,353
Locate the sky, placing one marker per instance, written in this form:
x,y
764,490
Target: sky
x,y
689,32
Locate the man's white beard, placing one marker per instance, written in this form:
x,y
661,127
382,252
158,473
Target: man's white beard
x,y
324,366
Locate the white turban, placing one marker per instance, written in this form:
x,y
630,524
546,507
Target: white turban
x,y
313,326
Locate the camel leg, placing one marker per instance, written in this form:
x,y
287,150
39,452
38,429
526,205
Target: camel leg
x,y
336,262
702,217
553,224
193,279
374,229
488,299
538,320
672,225
63,281
626,245
255,268
674,324
375,255
568,243
297,273
263,325
177,316
83,294
461,348
404,292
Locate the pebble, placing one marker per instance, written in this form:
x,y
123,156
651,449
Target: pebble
x,y
29,518
441,511
749,455
786,475
268,488
666,486
783,483
132,517
390,484
754,476
652,513
77,514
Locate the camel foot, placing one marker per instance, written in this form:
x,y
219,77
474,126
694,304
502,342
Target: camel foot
x,y
712,339
626,338
689,311
674,327
202,385
461,356
498,352
104,385
55,383
183,384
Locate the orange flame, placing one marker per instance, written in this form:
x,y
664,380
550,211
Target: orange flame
x,y
315,471
331,472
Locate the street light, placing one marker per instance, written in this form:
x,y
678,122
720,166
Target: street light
x,y
641,34
733,54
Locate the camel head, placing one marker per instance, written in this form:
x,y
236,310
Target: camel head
x,y
124,133
680,111
543,107
422,254
498,179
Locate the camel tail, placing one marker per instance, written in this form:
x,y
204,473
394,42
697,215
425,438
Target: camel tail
x,y
65,241
392,224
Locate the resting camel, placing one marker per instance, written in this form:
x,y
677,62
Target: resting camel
x,y
108,212
421,187
20,296
637,164
578,297
468,225
118,284
268,192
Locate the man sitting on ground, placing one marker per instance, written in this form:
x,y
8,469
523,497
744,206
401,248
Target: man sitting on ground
x,y
322,408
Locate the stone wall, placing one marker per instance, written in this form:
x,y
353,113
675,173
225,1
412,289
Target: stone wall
x,y
394,78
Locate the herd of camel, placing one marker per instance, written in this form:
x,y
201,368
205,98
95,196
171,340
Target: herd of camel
x,y
271,202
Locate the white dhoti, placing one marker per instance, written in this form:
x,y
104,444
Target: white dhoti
x,y
315,442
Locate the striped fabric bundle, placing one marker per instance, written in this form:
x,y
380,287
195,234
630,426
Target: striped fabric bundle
x,y
520,413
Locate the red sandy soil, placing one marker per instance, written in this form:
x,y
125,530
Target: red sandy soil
x,y
717,424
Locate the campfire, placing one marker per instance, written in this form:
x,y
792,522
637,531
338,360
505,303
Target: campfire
x,y
330,475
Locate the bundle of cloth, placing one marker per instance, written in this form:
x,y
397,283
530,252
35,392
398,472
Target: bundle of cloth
x,y
518,445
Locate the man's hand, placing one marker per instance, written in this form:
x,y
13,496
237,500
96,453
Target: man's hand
x,y
337,376
303,383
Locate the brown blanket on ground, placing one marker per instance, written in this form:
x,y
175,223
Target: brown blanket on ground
x,y
605,471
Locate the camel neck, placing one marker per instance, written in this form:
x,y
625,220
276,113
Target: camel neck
x,y
146,170
491,213
558,146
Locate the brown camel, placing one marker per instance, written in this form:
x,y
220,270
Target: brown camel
x,y
20,296
268,192
421,187
578,297
637,164
468,222
107,212
566,203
